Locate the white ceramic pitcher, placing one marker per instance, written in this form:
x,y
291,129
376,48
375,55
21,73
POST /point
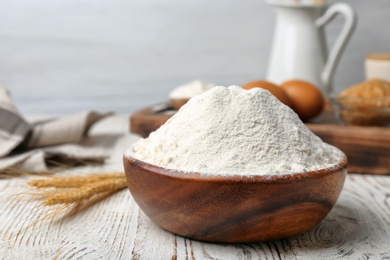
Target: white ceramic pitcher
x,y
299,46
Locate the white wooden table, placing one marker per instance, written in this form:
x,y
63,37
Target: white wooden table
x,y
357,228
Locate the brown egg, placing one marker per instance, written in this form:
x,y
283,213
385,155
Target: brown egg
x,y
307,100
277,91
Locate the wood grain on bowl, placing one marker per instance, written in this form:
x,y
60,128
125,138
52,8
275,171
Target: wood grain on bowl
x,y
233,209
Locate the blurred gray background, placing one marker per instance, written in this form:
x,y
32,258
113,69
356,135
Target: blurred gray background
x,y
64,56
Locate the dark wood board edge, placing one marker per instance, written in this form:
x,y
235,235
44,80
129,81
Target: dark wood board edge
x,y
367,148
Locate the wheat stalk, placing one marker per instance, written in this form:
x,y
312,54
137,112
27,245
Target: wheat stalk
x,y
73,181
86,191
74,193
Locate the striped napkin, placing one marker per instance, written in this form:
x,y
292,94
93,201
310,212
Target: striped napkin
x,y
35,146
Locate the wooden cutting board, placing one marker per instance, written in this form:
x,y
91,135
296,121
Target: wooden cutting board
x,y
367,148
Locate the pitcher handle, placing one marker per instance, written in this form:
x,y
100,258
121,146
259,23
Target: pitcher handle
x,y
341,41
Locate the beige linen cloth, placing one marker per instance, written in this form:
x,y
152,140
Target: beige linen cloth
x,y
35,147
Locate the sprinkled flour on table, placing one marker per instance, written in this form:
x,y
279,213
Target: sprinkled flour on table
x,y
231,131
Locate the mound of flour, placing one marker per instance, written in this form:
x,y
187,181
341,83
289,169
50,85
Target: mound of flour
x,y
231,131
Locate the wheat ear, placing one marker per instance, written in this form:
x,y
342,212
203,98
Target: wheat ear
x,y
86,191
73,181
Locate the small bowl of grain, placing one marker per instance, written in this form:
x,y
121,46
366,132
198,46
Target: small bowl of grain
x,y
365,104
234,209
362,111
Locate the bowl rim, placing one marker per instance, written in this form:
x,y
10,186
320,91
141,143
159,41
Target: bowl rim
x,y
202,177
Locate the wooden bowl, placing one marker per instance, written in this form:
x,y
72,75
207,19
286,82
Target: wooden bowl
x,y
234,209
177,103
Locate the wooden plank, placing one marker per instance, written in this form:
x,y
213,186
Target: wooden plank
x,y
367,148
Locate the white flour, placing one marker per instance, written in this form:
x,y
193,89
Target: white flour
x,y
231,131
